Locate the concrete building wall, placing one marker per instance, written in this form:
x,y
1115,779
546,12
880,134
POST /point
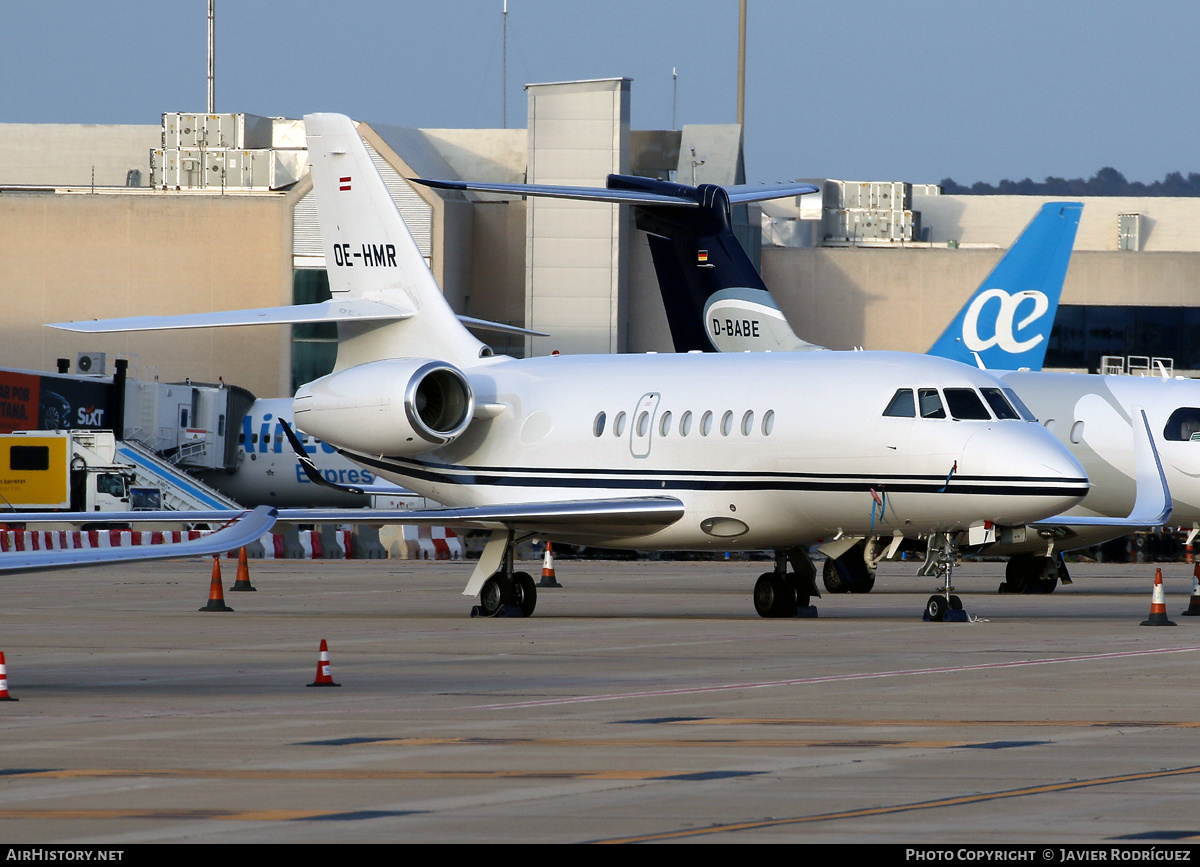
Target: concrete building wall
x,y
903,298
56,154
86,256
1168,224
575,251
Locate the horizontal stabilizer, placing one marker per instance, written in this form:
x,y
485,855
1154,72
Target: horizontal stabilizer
x,y
250,527
356,310
674,195
326,311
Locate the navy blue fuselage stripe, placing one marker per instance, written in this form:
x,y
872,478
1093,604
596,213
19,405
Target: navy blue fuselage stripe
x,y
718,481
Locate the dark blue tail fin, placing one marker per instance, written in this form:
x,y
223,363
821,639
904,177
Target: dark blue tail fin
x,y
714,297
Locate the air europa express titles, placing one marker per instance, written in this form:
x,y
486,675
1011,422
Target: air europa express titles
x,y
371,255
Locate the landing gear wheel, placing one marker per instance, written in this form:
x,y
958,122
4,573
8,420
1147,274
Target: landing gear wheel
x,y
492,596
864,585
936,607
832,579
774,596
1016,573
799,591
526,592
955,604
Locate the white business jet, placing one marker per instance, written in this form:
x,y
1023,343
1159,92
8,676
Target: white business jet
x,y
650,452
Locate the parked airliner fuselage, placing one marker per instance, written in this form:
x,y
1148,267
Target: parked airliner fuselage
x,y
764,450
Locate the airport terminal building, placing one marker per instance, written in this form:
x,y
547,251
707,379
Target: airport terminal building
x,y
213,212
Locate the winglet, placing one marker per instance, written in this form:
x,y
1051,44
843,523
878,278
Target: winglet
x,y
1152,506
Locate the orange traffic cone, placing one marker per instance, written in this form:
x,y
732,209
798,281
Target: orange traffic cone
x,y
1158,606
548,579
324,675
216,599
242,582
4,696
1193,608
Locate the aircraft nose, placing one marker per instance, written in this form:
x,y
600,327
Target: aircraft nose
x,y
1026,460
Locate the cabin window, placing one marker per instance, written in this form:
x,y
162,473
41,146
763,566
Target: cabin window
x,y
706,423
1026,412
768,423
664,426
727,423
931,403
748,423
1077,432
999,404
901,404
685,423
1183,425
598,424
242,439
29,458
965,405
619,425
643,424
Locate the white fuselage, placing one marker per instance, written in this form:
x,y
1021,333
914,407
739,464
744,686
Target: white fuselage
x,y
796,448
1091,415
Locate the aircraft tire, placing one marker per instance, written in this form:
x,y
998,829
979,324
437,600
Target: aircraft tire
x,y
935,608
773,596
831,578
491,596
526,592
865,585
1017,571
803,600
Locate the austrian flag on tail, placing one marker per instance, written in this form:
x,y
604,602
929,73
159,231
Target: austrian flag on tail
x,y
345,184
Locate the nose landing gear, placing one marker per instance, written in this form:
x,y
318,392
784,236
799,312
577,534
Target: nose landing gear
x,y
943,606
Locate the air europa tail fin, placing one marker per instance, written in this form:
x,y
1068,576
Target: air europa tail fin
x,y
1007,321
370,254
714,297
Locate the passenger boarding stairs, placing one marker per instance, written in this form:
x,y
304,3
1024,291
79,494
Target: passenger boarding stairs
x,y
180,491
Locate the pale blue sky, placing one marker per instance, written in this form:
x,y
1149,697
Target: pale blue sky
x,y
869,90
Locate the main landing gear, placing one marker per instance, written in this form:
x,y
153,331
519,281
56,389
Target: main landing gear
x,y
1027,573
505,592
849,573
943,606
787,594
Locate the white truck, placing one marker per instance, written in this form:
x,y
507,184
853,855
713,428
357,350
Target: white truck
x,y
75,471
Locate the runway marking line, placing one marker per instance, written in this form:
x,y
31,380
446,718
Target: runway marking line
x,y
647,742
904,808
922,723
831,678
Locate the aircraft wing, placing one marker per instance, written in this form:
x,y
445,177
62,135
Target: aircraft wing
x,y
533,517
1152,505
248,528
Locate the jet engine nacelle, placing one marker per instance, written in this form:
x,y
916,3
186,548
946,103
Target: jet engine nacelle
x,y
401,406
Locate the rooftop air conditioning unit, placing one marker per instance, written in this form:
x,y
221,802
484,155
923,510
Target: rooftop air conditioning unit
x,y
90,362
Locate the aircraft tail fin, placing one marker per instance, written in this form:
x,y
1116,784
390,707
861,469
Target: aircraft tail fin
x,y
714,297
1006,323
370,255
